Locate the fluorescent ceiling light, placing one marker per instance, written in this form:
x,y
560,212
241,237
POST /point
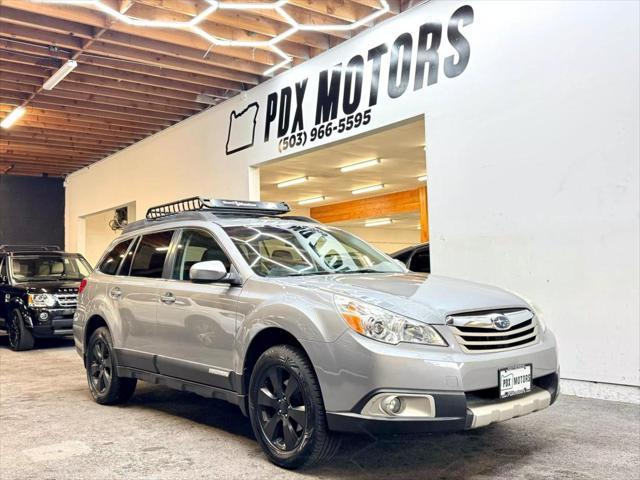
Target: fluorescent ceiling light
x,y
377,222
372,188
206,99
293,181
307,201
10,119
359,165
62,72
423,178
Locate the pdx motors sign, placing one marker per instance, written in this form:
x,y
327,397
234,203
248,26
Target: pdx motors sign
x,y
342,100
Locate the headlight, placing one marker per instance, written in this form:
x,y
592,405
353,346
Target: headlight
x,y
385,326
538,315
42,300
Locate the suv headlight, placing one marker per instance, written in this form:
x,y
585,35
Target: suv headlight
x,y
42,300
383,325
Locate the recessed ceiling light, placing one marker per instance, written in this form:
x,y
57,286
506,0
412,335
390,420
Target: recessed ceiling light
x,y
10,119
293,181
62,72
377,222
371,188
307,201
423,178
359,165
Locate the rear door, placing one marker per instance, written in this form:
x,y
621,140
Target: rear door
x,y
134,293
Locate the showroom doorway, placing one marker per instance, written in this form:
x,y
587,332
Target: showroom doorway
x,y
373,186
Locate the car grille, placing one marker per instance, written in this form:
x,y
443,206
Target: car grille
x,y
477,333
67,299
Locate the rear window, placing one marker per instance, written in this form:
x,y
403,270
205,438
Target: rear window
x,y
151,254
112,260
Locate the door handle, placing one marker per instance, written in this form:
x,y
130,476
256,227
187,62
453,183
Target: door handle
x,y
115,293
168,298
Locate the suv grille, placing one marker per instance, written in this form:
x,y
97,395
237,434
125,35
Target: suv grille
x,y
477,333
67,299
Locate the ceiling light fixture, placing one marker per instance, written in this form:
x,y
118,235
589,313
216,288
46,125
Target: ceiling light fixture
x,y
423,178
307,201
293,181
371,188
359,165
13,117
192,25
377,222
62,72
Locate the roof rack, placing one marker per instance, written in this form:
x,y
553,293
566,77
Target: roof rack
x,y
237,207
29,248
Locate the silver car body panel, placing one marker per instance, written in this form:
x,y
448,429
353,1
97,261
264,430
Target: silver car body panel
x,y
211,326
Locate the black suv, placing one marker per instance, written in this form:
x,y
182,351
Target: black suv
x,y
38,292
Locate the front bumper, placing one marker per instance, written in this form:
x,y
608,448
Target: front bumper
x,y
455,411
353,368
59,322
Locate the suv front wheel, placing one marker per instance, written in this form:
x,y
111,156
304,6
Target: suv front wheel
x,y
20,337
105,385
286,409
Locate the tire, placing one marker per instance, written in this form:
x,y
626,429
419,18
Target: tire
x,y
20,337
288,419
105,386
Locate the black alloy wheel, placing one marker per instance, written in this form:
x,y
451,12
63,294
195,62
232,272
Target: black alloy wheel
x,y
106,387
101,367
282,411
287,410
20,338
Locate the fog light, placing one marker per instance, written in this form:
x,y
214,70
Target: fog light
x,y
44,316
391,405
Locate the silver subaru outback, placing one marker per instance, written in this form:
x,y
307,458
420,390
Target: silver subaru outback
x,y
308,329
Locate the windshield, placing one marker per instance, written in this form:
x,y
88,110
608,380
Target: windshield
x,y
43,268
279,250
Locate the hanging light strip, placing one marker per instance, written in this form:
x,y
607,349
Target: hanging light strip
x,y
192,25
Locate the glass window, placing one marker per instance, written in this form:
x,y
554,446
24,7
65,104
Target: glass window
x,y
3,271
150,255
286,249
196,246
40,268
421,262
126,262
111,261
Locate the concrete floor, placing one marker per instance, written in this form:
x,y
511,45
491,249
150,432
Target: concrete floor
x,y
51,429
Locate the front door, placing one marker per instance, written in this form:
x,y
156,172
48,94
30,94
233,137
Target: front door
x,y
196,322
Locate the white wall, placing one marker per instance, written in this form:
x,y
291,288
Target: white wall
x,y
176,163
533,163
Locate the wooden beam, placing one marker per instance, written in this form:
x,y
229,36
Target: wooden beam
x,y
120,69
372,207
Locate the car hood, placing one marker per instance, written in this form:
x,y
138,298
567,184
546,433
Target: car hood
x,y
420,296
51,287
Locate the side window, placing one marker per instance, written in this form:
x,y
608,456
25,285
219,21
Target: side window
x,y
126,263
421,262
196,246
150,255
110,263
4,276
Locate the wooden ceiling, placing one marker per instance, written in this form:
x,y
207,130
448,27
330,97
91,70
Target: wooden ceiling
x,y
134,81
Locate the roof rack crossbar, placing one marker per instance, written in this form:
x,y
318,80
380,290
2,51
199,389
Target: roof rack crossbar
x,y
29,248
237,207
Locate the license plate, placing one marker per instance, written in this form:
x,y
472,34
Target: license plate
x,y
514,380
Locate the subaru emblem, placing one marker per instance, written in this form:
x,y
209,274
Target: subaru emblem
x,y
500,322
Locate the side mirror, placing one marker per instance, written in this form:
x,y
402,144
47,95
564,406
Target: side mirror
x,y
400,262
205,272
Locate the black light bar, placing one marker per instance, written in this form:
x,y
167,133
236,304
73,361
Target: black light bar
x,y
239,207
29,248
